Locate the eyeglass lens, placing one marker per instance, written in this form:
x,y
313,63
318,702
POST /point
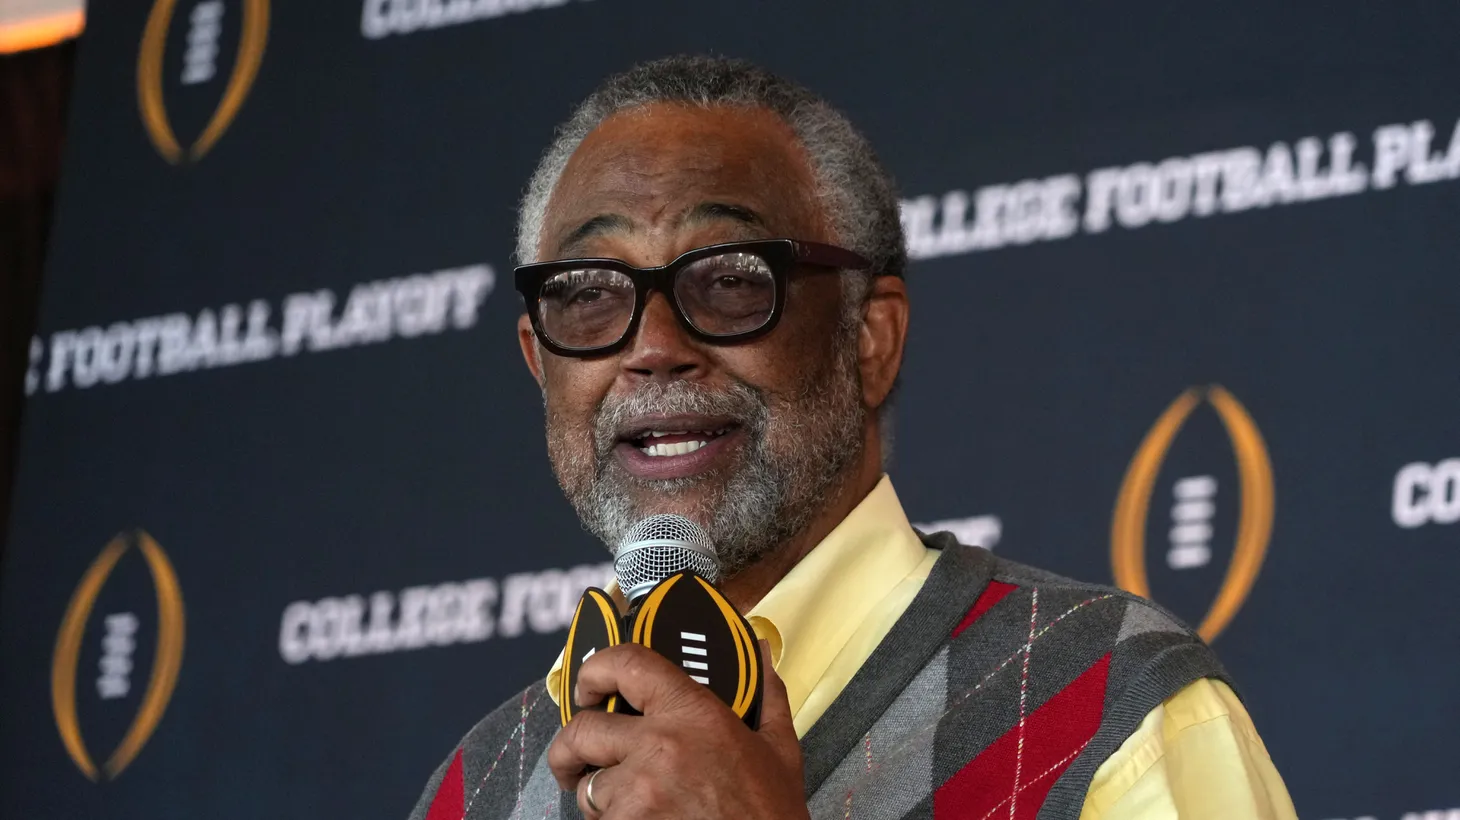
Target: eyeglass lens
x,y
723,295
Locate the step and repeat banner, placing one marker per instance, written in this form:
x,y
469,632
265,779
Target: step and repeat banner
x,y
1186,318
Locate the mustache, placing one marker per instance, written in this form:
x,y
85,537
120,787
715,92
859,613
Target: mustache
x,y
743,404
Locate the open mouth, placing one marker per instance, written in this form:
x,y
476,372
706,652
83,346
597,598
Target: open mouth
x,y
662,443
669,447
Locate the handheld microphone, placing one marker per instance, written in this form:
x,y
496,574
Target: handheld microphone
x,y
667,569
658,547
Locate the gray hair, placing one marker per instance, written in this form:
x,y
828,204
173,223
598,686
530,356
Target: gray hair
x,y
854,190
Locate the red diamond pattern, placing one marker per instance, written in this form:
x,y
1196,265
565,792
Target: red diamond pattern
x,y
992,594
1051,737
450,795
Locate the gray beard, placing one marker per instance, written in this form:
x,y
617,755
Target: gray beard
x,y
790,462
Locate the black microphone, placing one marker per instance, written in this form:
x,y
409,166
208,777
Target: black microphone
x,y
667,569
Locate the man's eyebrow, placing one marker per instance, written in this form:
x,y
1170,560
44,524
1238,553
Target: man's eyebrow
x,y
711,211
597,226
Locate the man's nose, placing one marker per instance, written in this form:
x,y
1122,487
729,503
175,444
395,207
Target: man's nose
x,y
661,349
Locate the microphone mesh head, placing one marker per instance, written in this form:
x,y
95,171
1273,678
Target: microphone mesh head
x,y
660,546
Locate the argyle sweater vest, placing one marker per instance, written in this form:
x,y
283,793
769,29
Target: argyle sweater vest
x,y
999,691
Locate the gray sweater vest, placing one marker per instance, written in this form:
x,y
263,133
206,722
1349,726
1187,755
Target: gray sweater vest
x,y
999,691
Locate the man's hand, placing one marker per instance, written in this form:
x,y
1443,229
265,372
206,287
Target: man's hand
x,y
687,756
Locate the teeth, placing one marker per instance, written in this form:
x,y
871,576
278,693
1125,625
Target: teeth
x,y
676,449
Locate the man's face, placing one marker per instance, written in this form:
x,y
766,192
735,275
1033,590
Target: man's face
x,y
745,439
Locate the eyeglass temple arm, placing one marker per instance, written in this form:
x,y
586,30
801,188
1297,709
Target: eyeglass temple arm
x,y
817,253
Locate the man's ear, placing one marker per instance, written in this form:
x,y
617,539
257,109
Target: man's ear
x,y
530,350
883,335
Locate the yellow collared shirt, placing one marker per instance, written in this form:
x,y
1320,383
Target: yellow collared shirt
x,y
1195,756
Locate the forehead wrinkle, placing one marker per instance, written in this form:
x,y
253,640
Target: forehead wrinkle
x,y
638,172
624,197
600,225
663,180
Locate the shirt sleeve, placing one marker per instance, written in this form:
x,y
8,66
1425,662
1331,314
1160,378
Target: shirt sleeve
x,y
1197,756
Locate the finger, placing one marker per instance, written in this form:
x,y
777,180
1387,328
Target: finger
x,y
602,786
591,738
643,677
776,723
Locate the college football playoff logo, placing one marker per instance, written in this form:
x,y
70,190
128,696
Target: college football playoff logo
x,y
205,36
1255,516
115,664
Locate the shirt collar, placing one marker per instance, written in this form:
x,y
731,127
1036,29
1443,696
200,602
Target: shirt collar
x,y
811,614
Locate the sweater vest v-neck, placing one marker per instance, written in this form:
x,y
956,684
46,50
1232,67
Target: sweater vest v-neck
x,y
999,691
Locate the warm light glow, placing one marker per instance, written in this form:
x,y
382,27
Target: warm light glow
x,y
39,32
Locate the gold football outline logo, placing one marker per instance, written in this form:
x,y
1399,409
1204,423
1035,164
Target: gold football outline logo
x,y
747,652
149,79
606,610
165,664
1254,524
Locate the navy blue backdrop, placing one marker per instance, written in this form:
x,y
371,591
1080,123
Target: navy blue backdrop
x,y
1185,318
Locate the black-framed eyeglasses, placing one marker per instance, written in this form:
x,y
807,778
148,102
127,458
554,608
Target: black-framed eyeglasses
x,y
724,293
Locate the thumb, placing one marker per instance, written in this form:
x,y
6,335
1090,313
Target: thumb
x,y
776,725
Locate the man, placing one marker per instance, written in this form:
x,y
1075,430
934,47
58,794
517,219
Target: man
x,y
743,385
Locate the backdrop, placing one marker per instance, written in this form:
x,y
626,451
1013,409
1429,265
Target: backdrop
x,y
1185,319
